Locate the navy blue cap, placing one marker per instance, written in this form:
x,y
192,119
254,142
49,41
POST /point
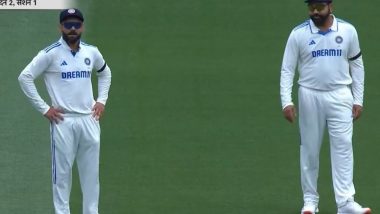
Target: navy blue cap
x,y
70,13
318,1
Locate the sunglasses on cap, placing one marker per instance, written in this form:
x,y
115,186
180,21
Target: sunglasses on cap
x,y
70,25
317,6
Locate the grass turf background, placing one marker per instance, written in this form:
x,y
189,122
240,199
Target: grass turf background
x,y
193,121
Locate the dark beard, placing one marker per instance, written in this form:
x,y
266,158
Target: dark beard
x,y
319,20
71,40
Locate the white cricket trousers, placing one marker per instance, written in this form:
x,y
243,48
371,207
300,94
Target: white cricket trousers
x,y
76,137
318,109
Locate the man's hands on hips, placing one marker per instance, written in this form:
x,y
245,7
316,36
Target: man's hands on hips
x,y
290,113
97,110
54,115
357,111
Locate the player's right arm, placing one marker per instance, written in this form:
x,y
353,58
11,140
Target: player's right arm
x,y
289,64
35,68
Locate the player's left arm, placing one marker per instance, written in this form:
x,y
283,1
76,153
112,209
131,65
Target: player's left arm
x,y
357,73
104,82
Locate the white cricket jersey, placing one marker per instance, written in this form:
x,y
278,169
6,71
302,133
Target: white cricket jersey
x,y
67,77
325,60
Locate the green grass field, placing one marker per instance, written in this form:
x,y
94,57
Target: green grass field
x,y
193,122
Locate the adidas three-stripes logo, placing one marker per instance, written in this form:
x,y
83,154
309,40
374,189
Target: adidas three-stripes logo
x,y
312,42
63,63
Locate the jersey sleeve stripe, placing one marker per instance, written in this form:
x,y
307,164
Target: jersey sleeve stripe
x,y
306,23
55,43
85,44
355,57
102,69
52,47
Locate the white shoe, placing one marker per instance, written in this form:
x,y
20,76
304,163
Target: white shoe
x,y
351,207
309,208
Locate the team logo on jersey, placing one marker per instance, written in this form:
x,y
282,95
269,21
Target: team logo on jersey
x,y
312,42
338,39
63,63
87,61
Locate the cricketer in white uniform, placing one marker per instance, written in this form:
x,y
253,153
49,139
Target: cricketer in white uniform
x,y
327,54
67,67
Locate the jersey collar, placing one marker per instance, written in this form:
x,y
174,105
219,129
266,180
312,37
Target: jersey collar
x,y
315,30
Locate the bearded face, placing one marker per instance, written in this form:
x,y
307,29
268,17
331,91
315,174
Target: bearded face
x,y
72,29
72,37
319,13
